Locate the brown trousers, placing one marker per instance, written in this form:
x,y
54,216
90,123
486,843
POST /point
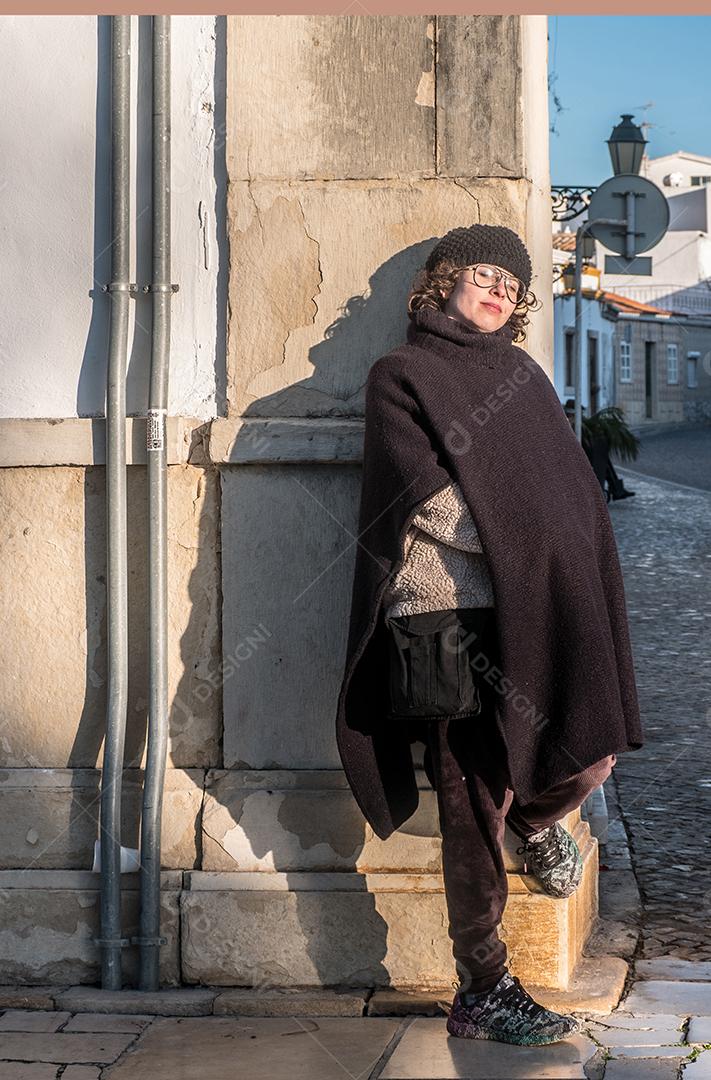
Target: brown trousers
x,y
475,803
466,763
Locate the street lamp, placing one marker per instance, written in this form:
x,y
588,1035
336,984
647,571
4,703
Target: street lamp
x,y
626,146
626,231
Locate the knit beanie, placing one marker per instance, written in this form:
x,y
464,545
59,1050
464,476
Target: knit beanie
x,y
484,243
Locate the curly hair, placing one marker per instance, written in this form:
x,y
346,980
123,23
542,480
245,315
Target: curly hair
x,y
429,285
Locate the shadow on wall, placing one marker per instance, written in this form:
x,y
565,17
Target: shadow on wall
x,y
283,804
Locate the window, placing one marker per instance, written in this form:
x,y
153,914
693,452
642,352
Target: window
x,y
625,361
672,363
569,359
692,360
696,181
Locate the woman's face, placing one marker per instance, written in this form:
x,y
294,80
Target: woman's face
x,y
485,308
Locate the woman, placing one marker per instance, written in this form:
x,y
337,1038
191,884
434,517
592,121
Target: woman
x,y
488,601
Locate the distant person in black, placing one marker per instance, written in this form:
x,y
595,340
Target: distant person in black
x,y
598,451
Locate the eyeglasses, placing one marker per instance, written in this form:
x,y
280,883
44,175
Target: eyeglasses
x,y
486,276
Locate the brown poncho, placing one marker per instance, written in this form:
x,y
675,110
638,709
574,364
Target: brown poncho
x,y
456,403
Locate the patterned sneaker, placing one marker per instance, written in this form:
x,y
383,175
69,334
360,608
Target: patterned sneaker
x,y
554,858
508,1014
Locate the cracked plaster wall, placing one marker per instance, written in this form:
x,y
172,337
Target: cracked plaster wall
x,y
344,169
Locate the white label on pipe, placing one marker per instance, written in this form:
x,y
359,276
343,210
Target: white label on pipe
x,y
155,429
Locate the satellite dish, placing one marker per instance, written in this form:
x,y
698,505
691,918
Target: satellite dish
x,y
674,179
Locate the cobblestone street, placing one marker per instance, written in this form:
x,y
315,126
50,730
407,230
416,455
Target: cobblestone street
x,y
664,537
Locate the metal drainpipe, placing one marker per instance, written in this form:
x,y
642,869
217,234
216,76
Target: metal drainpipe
x,y
161,289
119,288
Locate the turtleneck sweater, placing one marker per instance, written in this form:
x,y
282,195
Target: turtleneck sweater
x,y
444,565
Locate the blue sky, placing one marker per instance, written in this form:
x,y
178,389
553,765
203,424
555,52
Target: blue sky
x,y
601,66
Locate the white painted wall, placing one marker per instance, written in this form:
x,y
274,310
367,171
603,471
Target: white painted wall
x,y
682,162
592,320
54,184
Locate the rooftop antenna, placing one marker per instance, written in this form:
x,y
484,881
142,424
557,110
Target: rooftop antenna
x,y
644,125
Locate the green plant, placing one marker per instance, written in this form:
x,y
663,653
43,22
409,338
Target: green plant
x,y
610,425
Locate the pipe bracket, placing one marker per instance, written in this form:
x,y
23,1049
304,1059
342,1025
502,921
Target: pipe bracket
x,y
160,288
121,286
149,941
116,942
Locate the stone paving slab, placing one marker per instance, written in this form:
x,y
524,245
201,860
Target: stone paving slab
x,y
81,1072
651,1052
640,1033
96,1022
179,1002
61,1048
427,1052
671,967
699,1030
700,1069
628,1022
29,1020
653,996
19,1070
269,1047
629,1069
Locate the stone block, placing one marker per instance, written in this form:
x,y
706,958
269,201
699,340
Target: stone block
x,y
290,1001
178,1002
476,52
302,820
314,929
316,97
49,919
51,816
271,675
53,648
390,1001
28,997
